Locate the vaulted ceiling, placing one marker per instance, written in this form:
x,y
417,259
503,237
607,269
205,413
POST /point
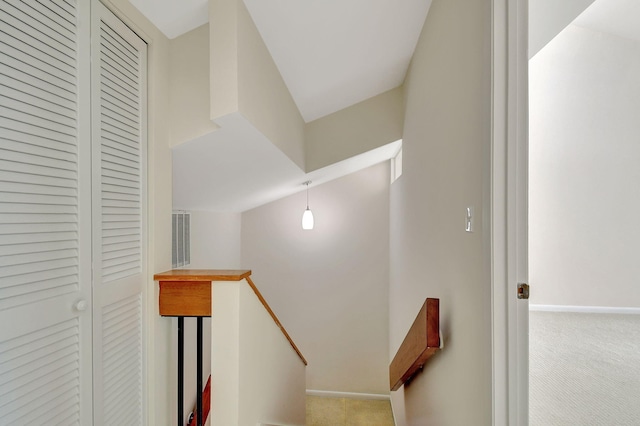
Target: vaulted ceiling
x,y
332,54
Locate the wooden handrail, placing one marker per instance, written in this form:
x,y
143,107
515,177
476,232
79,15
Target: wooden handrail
x,y
187,292
203,275
421,342
275,319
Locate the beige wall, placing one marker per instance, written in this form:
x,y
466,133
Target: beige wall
x,y
329,286
259,377
360,128
215,240
583,171
160,374
245,79
446,145
189,86
264,98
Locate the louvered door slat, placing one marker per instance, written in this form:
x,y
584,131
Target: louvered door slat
x,y
29,293
56,128
116,56
114,155
40,356
15,163
49,8
121,89
111,97
121,359
15,249
64,9
114,43
34,48
34,96
49,401
122,116
23,54
50,200
125,79
63,414
122,170
119,141
37,34
39,109
21,140
36,81
42,14
22,12
131,55
27,154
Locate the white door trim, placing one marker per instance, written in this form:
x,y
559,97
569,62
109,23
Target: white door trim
x,y
509,211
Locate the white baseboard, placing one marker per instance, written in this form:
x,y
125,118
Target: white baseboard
x,y
585,309
352,395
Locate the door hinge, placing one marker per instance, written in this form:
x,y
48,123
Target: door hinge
x,y
523,291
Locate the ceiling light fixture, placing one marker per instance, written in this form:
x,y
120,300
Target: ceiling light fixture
x,y
307,216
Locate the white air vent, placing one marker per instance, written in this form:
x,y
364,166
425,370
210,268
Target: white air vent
x,y
181,240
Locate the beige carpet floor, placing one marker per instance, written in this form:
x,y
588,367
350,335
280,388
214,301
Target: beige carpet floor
x,y
322,411
584,369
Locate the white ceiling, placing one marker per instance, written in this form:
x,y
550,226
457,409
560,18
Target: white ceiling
x,y
331,53
174,17
547,19
335,53
616,17
236,168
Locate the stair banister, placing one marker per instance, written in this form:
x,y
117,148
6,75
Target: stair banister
x,y
187,293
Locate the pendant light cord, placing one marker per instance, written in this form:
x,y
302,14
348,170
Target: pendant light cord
x,y
307,183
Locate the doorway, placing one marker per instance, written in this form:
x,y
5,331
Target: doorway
x,y
584,94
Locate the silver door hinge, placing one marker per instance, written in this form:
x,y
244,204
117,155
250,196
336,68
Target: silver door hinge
x,y
523,291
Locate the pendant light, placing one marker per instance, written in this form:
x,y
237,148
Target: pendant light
x,y
307,216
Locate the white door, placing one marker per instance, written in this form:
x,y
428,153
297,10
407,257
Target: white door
x,y
119,208
45,208
72,185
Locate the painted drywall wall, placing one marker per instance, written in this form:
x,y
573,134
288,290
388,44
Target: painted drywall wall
x,y
245,79
446,146
547,18
360,128
329,286
259,377
583,152
223,57
189,86
215,244
215,240
159,380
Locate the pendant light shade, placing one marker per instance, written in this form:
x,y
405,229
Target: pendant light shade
x,y
307,216
307,219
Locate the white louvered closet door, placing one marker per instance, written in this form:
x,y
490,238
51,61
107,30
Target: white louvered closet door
x,y
45,213
119,205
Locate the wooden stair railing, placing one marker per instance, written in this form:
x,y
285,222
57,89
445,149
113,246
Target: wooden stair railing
x,y
421,342
187,293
